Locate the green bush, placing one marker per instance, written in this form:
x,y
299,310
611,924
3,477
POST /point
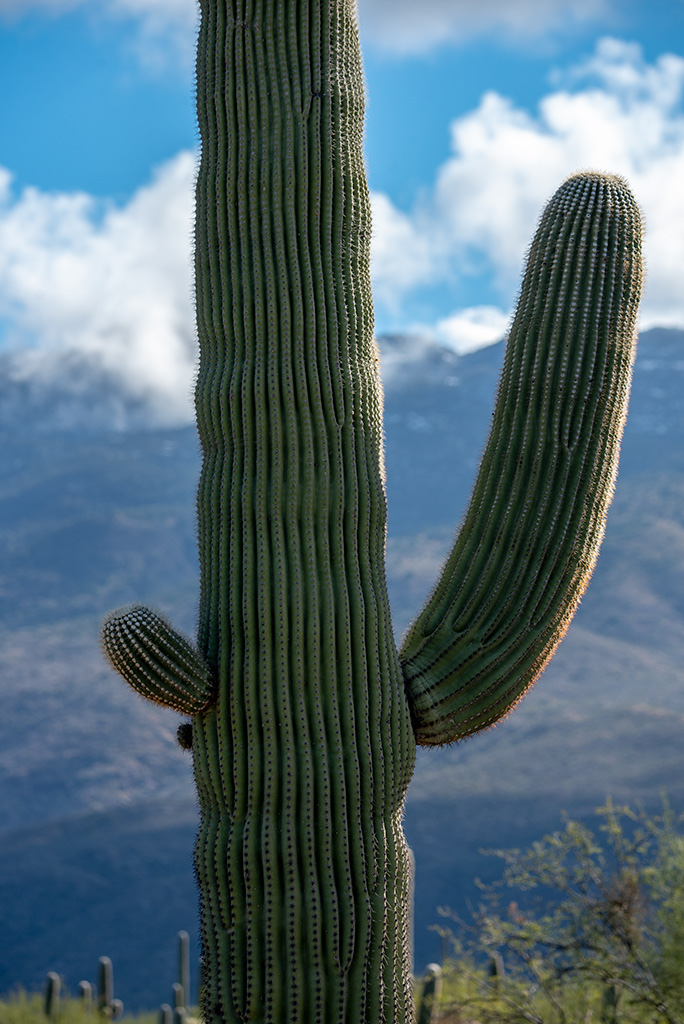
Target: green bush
x,y
590,928
25,1008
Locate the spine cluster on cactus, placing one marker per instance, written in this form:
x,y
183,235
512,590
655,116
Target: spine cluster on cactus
x,y
305,716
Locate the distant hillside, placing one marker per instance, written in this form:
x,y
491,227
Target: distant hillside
x,y
97,807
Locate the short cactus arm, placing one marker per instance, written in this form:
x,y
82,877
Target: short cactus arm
x,y
531,535
156,660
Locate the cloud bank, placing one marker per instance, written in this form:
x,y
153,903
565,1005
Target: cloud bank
x,y
614,113
397,26
406,27
111,286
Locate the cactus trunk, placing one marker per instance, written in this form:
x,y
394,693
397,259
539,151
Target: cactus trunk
x,y
303,763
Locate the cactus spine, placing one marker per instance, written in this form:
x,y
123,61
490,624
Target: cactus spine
x,y
304,715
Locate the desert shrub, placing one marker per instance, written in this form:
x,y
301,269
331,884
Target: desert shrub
x,y
26,1008
589,925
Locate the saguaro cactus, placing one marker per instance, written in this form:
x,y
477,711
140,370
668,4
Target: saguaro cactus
x,y
85,996
182,991
108,1007
51,994
304,714
431,993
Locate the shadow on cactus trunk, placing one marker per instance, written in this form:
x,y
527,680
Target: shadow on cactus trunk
x,y
304,714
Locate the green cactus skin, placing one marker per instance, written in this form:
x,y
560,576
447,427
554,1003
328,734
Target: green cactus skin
x,y
303,714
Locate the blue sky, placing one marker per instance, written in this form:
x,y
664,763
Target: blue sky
x,y
476,111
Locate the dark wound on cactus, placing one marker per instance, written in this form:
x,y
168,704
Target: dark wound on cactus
x,y
184,735
302,739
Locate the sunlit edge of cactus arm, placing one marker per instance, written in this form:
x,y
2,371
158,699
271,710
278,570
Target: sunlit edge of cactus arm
x,y
531,535
156,660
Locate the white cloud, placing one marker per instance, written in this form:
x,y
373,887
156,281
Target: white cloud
x,y
470,329
401,26
614,113
112,285
407,27
168,28
404,254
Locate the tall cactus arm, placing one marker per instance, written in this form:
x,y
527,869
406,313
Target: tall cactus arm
x,y
530,537
156,660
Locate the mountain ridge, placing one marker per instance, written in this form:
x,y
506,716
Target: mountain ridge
x,y
98,805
